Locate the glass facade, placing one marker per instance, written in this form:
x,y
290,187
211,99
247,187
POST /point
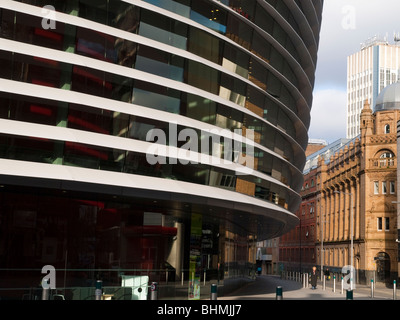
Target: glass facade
x,y
78,100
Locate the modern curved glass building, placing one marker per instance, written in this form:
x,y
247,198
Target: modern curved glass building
x,y
153,138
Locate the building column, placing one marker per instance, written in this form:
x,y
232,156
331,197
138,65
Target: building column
x,y
331,214
337,212
345,211
356,187
346,217
352,207
324,216
343,206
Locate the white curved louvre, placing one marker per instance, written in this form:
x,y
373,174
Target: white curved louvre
x,y
305,28
295,38
71,58
76,174
118,106
77,21
294,64
13,127
296,84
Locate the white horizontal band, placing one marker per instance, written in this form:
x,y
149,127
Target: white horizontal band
x,y
68,96
124,180
70,58
12,127
77,21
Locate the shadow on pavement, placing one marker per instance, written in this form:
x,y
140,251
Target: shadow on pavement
x,y
263,287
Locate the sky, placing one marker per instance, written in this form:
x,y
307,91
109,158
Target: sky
x,y
345,25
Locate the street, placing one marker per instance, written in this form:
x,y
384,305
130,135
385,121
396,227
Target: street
x,y
264,288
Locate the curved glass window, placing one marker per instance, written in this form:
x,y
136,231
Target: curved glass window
x,y
95,82
161,28
93,44
215,18
80,117
95,157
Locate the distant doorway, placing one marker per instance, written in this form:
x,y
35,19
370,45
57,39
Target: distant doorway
x,y
382,261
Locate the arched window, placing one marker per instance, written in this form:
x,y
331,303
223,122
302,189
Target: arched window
x,y
387,128
386,154
386,159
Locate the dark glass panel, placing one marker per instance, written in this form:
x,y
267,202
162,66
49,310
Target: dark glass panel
x,y
204,45
87,156
30,149
31,109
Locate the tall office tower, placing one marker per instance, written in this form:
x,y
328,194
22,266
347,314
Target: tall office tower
x,y
371,69
224,88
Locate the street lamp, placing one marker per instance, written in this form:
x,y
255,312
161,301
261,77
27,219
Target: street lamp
x,y
351,236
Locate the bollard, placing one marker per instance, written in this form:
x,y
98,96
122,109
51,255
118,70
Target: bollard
x,y
205,276
45,294
154,291
394,289
46,291
98,290
372,288
307,280
324,283
213,292
334,283
342,285
279,293
182,276
349,294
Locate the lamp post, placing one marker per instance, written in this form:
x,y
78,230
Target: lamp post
x,y
351,236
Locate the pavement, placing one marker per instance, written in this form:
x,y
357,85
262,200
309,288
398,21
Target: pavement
x,y
264,288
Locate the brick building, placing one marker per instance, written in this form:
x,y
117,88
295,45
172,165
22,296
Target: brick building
x,y
297,247
349,200
359,181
